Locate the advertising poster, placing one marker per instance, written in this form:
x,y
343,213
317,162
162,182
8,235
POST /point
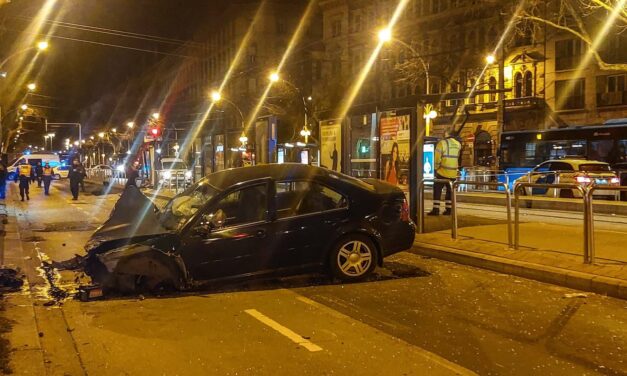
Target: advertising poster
x,y
331,144
395,149
428,167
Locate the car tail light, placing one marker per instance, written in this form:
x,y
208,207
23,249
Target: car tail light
x,y
583,180
405,211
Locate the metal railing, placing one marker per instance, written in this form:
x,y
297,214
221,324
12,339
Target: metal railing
x,y
453,185
508,205
587,195
177,181
421,203
517,188
590,255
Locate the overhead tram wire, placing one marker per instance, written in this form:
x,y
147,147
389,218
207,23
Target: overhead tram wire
x,y
121,33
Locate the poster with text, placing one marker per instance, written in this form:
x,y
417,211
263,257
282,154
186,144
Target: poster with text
x,y
394,130
331,144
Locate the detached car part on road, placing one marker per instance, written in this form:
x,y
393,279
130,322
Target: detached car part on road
x,y
269,220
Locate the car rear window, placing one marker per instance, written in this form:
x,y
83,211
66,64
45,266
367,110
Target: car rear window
x,y
594,167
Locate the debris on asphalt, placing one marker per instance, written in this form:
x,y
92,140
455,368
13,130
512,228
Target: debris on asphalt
x,y
576,295
10,280
88,293
55,292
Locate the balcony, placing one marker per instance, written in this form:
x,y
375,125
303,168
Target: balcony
x,y
616,98
524,102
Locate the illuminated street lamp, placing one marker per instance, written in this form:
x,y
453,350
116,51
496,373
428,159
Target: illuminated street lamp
x,y
274,77
32,86
130,124
24,107
305,132
216,96
101,134
42,45
385,35
114,130
490,59
156,115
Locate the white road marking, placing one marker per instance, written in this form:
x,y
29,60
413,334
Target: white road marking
x,y
284,331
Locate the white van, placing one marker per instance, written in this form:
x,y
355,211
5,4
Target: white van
x,y
33,159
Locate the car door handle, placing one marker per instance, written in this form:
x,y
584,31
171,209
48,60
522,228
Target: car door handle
x,y
260,234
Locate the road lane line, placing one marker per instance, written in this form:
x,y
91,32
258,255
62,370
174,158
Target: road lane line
x,y
453,367
284,331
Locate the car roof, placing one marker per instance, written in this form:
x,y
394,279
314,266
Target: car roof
x,y
296,171
577,162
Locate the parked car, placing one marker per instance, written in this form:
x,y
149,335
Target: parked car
x,y
174,172
571,171
61,172
265,220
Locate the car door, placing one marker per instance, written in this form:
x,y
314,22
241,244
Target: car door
x,y
541,175
308,217
238,244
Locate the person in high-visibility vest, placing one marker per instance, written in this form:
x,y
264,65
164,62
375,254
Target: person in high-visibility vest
x,y
446,163
24,177
47,178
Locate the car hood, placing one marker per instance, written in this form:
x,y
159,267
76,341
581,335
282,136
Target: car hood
x,y
134,218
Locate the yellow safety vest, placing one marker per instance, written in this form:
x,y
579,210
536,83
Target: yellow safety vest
x,y
25,170
447,157
47,171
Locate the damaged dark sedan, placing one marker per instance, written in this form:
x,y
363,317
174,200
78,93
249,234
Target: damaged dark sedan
x,y
268,220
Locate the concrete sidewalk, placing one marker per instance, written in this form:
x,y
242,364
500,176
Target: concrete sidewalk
x,y
548,253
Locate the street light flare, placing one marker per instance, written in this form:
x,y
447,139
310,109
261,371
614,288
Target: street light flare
x,y
385,35
130,124
156,115
216,96
101,134
274,77
42,45
32,86
490,59
24,107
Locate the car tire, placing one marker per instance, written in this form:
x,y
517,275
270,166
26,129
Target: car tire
x,y
353,258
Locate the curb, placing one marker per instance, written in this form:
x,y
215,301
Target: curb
x,y
613,287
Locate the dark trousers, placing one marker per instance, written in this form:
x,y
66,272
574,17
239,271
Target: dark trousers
x,y
74,187
38,181
437,192
24,191
82,183
3,188
47,180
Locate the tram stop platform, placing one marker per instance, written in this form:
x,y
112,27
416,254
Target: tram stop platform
x,y
549,253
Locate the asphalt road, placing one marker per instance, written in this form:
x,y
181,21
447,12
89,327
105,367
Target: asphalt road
x,y
415,316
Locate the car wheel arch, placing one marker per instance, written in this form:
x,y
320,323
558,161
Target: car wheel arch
x,y
154,263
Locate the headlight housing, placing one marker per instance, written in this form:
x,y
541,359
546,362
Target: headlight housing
x,y
188,174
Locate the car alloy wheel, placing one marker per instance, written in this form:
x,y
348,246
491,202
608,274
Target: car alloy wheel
x,y
355,258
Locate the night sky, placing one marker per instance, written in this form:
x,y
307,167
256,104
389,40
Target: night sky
x,y
76,75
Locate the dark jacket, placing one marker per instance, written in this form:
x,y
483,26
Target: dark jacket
x,y
76,173
39,170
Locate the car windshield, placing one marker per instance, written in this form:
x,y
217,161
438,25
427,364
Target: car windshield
x,y
594,167
176,165
182,207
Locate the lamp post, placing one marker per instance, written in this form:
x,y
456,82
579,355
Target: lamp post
x,y
41,46
385,36
78,125
274,78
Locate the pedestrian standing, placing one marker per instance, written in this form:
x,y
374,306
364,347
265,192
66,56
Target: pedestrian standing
x,y
3,180
24,176
132,173
446,161
47,178
75,175
39,171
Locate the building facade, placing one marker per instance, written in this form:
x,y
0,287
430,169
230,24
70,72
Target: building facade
x,y
539,79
